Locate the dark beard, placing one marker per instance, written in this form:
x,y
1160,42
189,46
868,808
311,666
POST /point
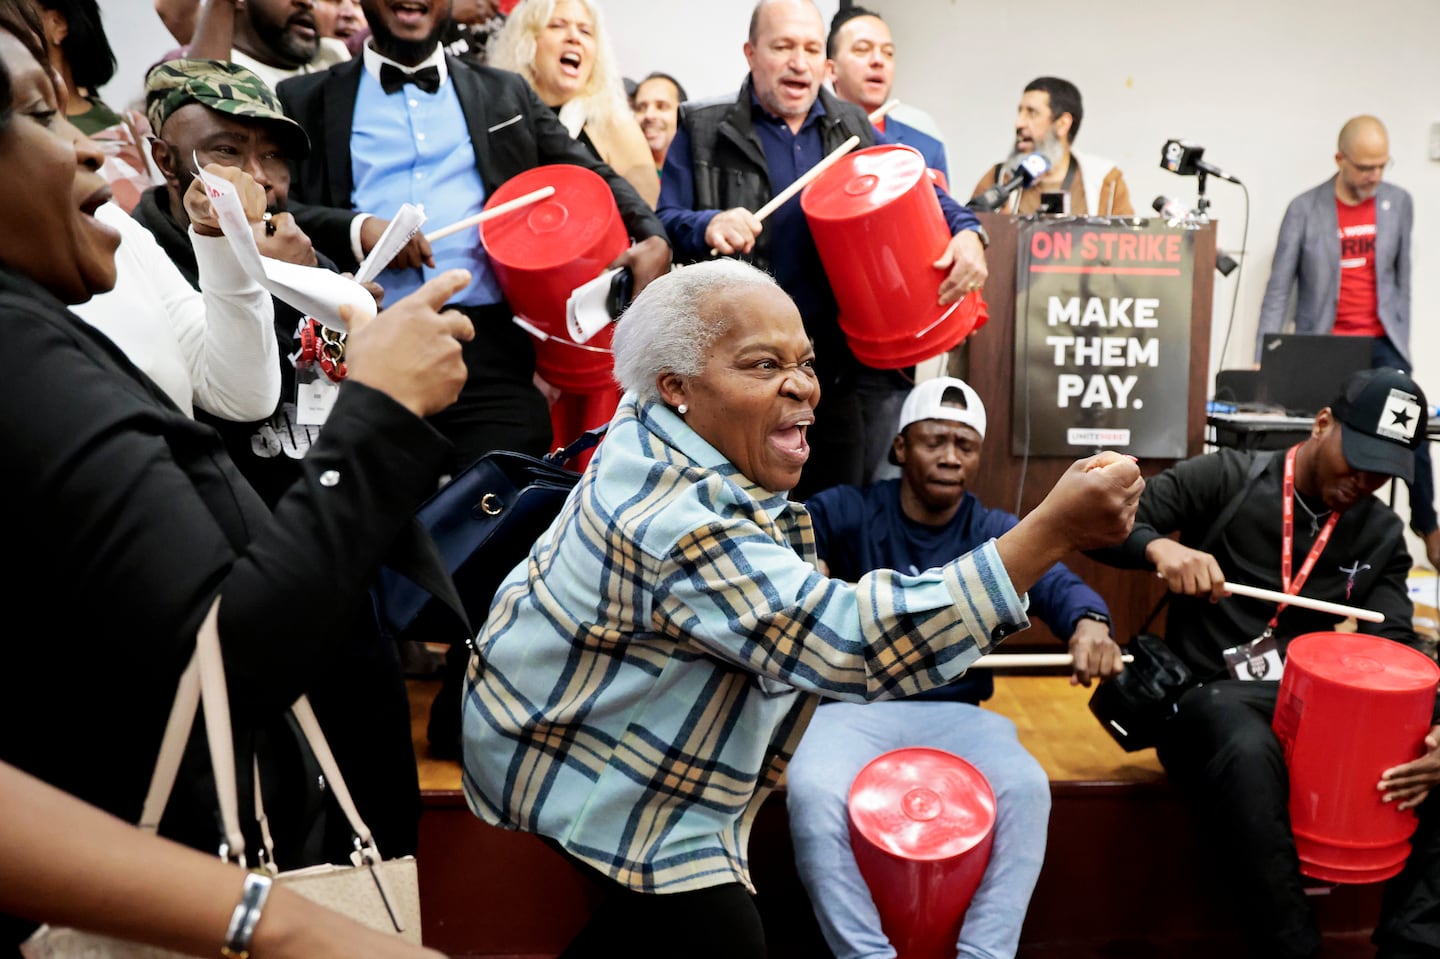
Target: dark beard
x,y
407,53
278,40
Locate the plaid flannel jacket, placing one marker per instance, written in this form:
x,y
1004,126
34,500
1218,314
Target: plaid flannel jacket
x,y
647,671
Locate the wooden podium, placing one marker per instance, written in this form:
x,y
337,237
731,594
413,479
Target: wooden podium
x,y
987,362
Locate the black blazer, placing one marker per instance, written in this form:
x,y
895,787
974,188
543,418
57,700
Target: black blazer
x,y
511,129
123,519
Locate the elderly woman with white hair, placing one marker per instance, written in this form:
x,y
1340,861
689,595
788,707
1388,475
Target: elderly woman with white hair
x,y
647,671
561,48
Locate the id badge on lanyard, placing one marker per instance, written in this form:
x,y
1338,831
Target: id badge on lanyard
x,y
1260,658
1256,660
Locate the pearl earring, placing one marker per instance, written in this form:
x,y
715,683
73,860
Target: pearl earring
x,y
682,409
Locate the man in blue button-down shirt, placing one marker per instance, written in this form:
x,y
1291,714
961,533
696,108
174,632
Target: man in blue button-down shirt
x,y
405,123
729,157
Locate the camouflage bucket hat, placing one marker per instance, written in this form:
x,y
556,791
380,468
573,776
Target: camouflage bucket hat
x,y
223,87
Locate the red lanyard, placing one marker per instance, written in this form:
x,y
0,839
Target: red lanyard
x,y
1287,538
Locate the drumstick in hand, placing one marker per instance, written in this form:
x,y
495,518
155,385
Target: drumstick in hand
x,y
802,181
534,196
882,110
1305,602
1030,660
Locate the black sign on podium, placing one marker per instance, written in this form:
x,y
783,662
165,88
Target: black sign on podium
x,y
1102,338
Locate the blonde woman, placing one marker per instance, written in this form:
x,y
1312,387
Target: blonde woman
x,y
560,47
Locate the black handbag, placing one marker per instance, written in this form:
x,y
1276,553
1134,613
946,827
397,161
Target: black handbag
x,y
482,522
1133,705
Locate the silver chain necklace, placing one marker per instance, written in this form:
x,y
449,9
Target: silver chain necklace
x,y
1315,518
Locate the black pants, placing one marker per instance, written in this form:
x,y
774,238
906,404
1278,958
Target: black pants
x,y
1220,749
499,407
719,922
1409,926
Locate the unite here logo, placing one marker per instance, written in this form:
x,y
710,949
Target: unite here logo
x,y
1400,418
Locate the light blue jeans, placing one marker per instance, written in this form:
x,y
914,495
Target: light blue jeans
x,y
840,740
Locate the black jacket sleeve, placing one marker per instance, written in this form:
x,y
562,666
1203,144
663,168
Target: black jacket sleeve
x,y
1188,497
118,499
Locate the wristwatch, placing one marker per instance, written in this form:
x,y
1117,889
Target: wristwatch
x,y
980,232
1097,616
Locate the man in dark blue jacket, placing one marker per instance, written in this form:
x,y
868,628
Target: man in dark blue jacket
x,y
732,155
914,524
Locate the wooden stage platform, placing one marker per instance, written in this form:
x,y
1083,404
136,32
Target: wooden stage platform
x,y
1125,873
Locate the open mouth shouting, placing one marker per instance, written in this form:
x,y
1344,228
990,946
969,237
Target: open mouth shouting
x,y
570,63
789,438
411,15
797,88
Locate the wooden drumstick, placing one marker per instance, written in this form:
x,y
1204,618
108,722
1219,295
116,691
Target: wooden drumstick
x,y
801,182
882,110
1030,660
1305,602
534,196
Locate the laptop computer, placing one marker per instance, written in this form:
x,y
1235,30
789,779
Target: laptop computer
x,y
1302,373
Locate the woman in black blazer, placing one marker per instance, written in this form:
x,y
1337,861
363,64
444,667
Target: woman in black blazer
x,y
123,518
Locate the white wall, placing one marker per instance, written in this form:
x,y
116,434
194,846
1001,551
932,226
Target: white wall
x,y
139,39
696,41
1263,84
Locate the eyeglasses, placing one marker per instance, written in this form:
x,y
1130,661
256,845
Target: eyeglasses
x,y
1370,167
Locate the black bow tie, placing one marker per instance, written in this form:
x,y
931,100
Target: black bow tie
x,y
392,78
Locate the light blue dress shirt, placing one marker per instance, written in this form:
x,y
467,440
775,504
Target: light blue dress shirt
x,y
415,147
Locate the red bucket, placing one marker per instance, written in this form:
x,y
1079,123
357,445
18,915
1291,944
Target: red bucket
x,y
1350,707
921,825
878,227
541,252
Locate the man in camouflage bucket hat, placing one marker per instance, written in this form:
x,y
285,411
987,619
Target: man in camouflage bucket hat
x,y
224,87
224,115
218,112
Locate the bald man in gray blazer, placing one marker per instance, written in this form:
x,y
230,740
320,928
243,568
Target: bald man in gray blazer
x,y
1344,257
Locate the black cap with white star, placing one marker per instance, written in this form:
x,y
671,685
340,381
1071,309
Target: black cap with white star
x,y
1382,415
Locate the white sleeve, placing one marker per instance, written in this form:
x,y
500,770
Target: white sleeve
x,y
226,333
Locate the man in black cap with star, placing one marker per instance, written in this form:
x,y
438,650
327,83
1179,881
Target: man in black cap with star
x,y
1306,521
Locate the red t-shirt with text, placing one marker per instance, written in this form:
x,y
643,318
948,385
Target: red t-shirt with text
x,y
1357,313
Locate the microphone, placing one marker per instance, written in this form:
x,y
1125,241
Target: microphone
x,y
1032,167
1170,208
1185,158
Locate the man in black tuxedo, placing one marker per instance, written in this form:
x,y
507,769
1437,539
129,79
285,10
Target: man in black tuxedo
x,y
404,122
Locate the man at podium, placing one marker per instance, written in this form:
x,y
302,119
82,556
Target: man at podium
x,y
1047,123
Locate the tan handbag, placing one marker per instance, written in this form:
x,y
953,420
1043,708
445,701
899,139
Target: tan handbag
x,y
382,894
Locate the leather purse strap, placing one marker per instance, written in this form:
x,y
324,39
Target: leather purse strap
x,y
310,726
366,852
204,681
199,683
587,440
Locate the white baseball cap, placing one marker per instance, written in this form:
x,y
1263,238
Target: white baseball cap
x,y
926,402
